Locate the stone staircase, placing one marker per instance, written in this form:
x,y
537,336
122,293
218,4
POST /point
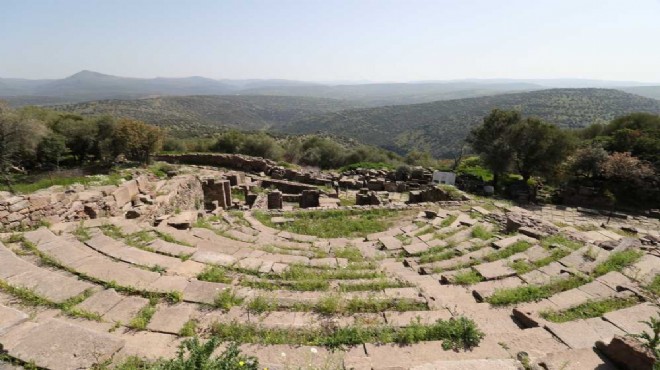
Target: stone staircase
x,y
96,286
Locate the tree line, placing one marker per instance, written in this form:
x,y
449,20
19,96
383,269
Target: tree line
x,y
320,151
33,139
621,158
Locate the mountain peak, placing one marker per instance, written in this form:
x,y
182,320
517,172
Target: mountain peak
x,y
87,74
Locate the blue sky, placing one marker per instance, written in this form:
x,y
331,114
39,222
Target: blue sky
x,y
325,40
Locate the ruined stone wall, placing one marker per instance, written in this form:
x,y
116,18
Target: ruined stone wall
x,y
180,192
248,164
75,203
233,161
288,187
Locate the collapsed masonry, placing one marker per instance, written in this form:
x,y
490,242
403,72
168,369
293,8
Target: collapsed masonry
x,y
141,197
292,183
148,197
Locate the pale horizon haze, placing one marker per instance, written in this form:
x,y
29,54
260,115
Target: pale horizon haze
x,y
333,40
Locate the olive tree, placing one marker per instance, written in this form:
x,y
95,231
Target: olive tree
x,y
490,141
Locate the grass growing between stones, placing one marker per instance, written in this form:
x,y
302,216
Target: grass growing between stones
x,y
353,271
373,285
468,277
214,274
336,223
529,293
458,333
49,261
436,254
524,266
448,221
81,233
589,309
333,304
654,286
480,232
296,285
517,247
170,239
617,261
30,298
261,304
351,253
227,299
188,329
140,239
559,247
143,317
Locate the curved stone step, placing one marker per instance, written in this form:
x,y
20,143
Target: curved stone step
x,y
55,344
54,286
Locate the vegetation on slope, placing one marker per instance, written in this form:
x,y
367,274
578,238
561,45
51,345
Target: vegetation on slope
x,y
441,126
186,115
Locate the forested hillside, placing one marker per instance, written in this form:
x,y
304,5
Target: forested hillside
x,y
441,127
438,127
199,114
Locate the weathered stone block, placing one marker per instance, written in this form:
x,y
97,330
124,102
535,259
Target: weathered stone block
x,y
23,204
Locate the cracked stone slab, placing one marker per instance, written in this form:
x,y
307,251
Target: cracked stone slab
x,y
203,291
10,317
170,319
101,302
126,309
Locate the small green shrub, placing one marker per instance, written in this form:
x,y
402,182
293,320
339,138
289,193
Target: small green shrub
x,y
195,355
261,304
468,277
227,299
81,233
651,340
481,233
188,329
143,317
214,274
654,286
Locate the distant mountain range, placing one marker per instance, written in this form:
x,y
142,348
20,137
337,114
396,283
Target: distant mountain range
x,y
427,115
90,86
439,127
